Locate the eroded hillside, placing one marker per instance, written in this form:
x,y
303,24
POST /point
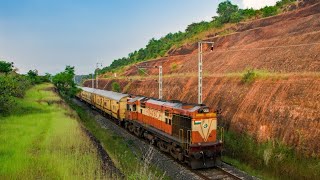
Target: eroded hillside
x,y
282,104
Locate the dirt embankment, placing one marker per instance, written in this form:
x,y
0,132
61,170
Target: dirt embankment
x,y
284,106
287,109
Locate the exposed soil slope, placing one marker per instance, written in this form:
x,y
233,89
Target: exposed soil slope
x,y
283,43
284,106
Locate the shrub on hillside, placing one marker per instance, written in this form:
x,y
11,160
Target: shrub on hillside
x,y
236,17
249,76
115,87
269,11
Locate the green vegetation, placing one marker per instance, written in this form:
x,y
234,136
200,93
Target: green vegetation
x,y
251,75
6,67
115,87
272,159
269,11
120,150
36,79
227,13
43,140
174,66
64,81
14,85
11,87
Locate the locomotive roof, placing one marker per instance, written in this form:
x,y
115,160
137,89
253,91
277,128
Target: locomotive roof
x,y
174,105
109,94
135,99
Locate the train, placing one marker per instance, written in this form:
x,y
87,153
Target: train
x,y
188,132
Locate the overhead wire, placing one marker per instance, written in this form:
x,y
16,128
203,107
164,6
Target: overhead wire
x,y
269,47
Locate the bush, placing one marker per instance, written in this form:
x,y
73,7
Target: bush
x,y
249,13
249,76
174,66
269,11
236,17
115,87
12,86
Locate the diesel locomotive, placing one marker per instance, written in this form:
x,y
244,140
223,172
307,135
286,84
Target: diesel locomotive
x,y
188,132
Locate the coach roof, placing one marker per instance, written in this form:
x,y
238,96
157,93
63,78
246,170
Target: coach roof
x,y
108,94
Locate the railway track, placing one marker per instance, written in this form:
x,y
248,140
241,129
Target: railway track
x,y
225,171
215,174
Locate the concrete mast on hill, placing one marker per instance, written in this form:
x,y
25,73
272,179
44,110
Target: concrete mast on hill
x,y
96,73
200,72
160,76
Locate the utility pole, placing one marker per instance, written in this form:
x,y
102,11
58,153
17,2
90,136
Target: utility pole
x,y
97,79
160,82
160,76
200,72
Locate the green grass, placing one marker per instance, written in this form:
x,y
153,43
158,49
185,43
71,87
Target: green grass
x,y
42,139
119,149
268,160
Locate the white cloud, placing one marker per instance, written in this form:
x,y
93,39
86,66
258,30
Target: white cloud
x,y
257,4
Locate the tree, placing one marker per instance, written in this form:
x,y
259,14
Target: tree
x,y
6,67
225,10
33,76
64,82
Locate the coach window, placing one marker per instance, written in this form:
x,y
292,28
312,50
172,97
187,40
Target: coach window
x,y
169,121
128,107
166,120
134,107
141,111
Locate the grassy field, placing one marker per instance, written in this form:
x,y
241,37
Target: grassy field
x,y
43,140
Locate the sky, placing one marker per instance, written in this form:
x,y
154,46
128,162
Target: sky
x,y
47,35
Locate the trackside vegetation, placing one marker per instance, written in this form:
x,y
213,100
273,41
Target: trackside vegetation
x,y
228,13
268,160
42,139
119,149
